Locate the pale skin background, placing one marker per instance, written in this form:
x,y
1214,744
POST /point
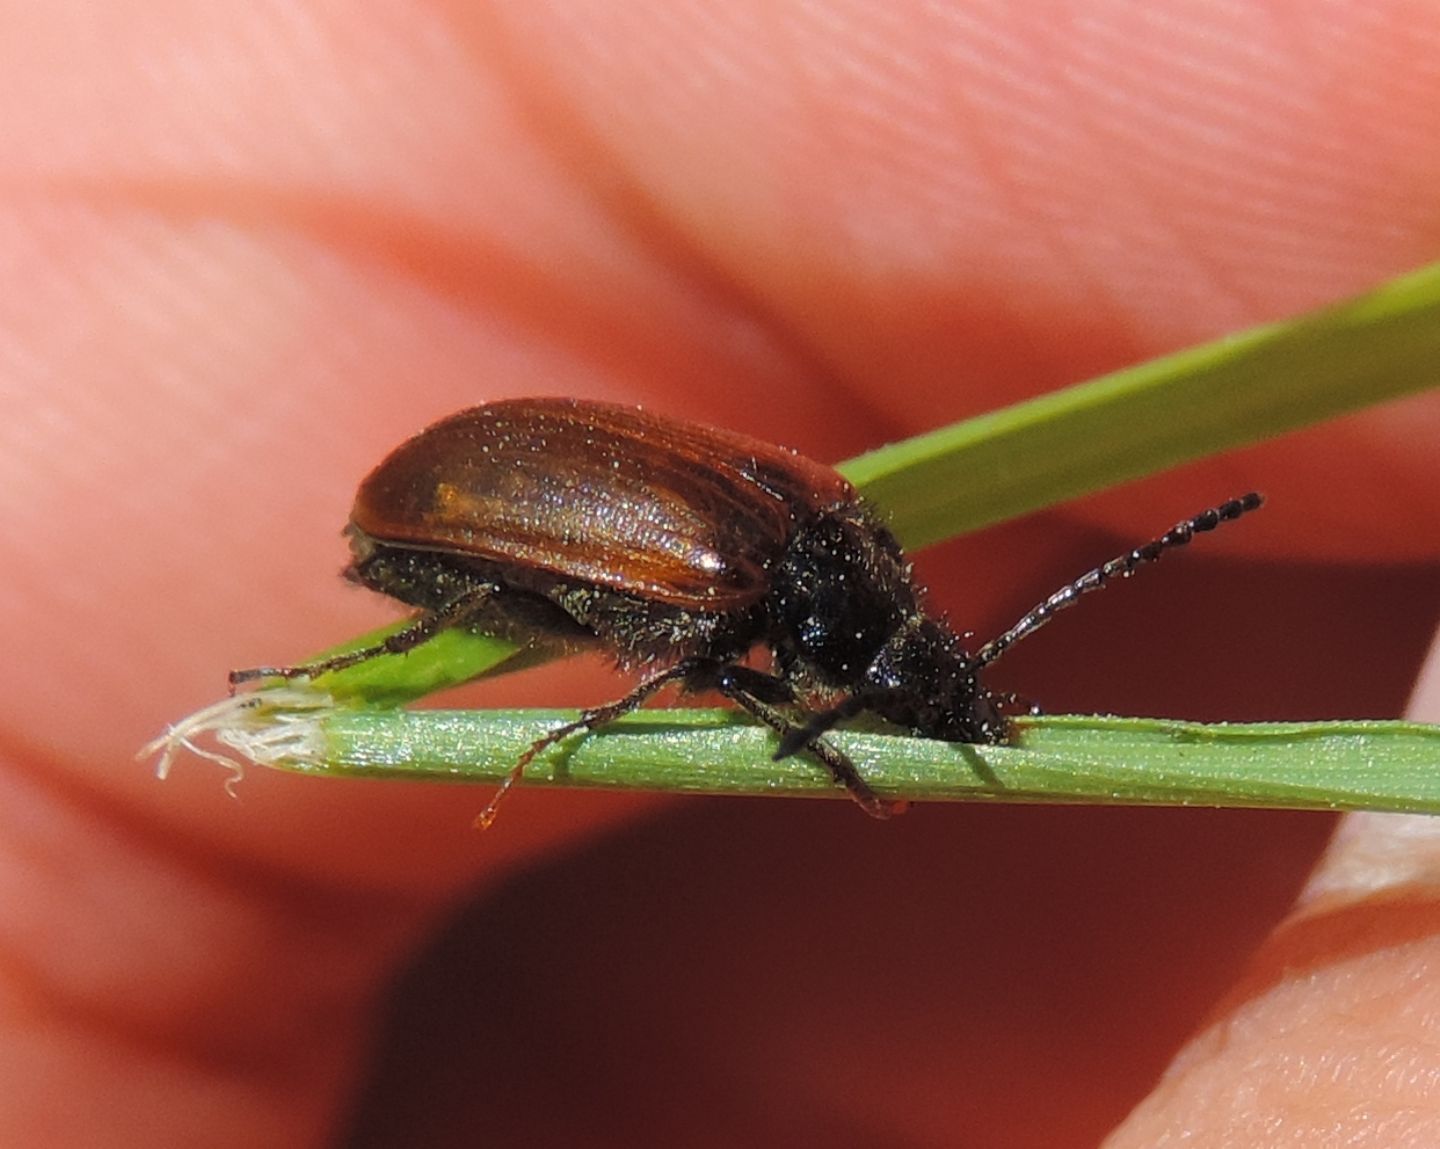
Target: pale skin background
x,y
246,249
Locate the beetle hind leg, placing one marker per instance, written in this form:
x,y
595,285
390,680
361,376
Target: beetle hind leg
x,y
422,630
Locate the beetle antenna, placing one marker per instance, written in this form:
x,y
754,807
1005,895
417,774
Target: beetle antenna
x,y
1122,566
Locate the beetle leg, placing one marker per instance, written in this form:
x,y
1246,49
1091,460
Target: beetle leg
x,y
424,628
847,708
822,723
755,690
591,719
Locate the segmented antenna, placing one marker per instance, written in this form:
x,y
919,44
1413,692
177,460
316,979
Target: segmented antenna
x,y
1122,566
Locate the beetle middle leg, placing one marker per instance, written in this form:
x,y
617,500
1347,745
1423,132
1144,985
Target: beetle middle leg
x,y
591,719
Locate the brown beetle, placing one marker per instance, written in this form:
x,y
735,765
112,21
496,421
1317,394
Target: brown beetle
x,y
679,549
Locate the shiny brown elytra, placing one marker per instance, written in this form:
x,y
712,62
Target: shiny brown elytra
x,y
680,549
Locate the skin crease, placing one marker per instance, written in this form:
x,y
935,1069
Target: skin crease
x,y
247,249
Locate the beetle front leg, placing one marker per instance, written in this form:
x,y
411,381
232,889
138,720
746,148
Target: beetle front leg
x,y
756,691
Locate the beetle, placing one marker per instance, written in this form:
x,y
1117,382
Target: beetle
x,y
680,549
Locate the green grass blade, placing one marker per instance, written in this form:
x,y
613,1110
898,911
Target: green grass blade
x,y
1142,420
1327,765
